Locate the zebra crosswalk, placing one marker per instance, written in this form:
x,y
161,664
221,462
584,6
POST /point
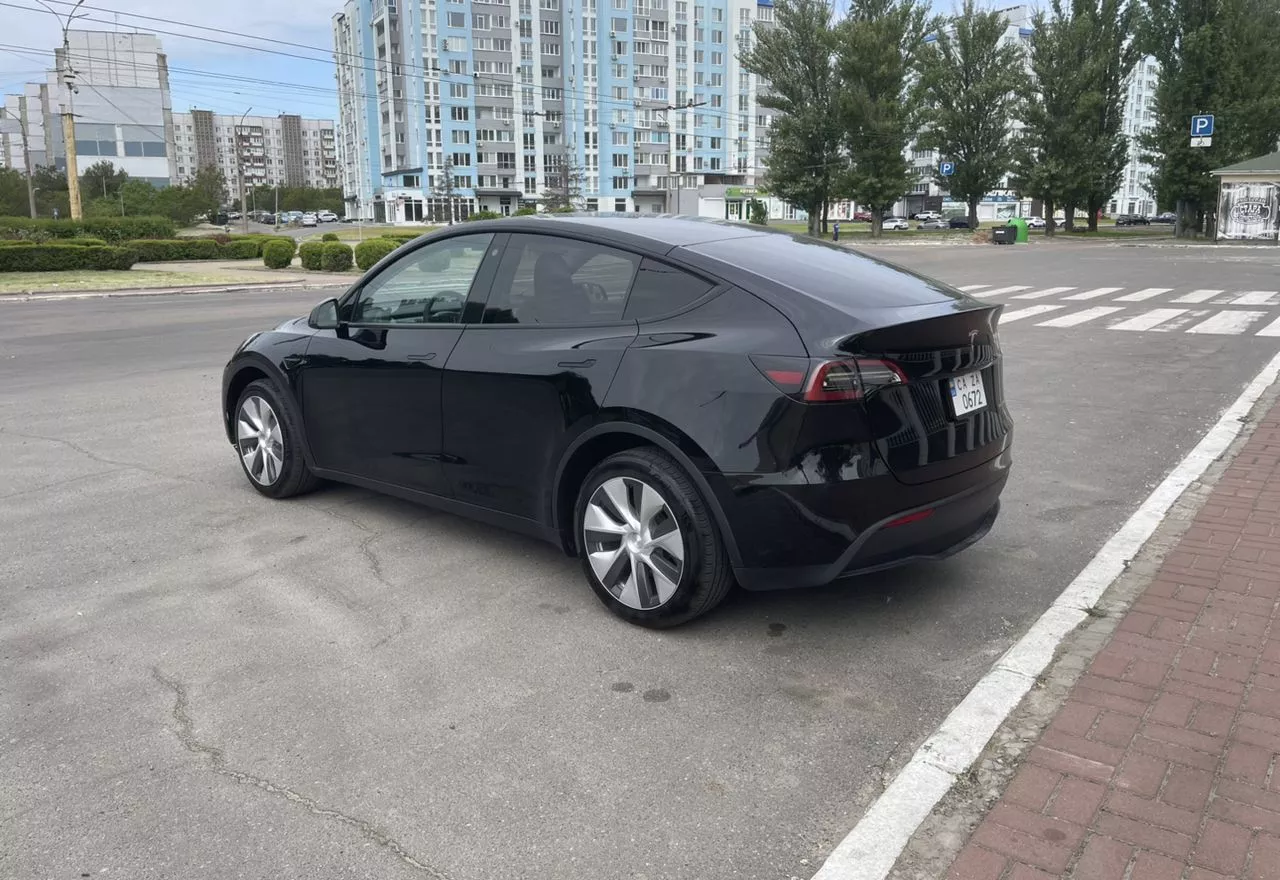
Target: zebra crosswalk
x,y
1207,311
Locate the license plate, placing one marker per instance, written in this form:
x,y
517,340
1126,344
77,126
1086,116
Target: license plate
x,y
967,393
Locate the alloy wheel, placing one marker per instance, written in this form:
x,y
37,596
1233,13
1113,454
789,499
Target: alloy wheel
x,y
260,440
633,542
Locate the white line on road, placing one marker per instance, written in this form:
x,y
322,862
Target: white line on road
x,y
1077,318
1141,295
874,845
1272,329
999,290
1198,296
969,288
1148,320
1228,323
1039,294
1028,312
1093,294
1256,298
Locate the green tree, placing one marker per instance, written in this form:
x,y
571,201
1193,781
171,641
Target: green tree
x,y
796,56
210,188
967,88
1219,58
442,188
180,204
13,193
879,41
51,191
102,180
564,188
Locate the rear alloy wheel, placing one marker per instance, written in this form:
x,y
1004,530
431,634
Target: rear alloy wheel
x,y
267,443
650,548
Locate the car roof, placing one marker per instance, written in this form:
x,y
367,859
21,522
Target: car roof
x,y
656,232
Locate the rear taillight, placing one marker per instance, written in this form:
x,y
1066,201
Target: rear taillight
x,y
851,379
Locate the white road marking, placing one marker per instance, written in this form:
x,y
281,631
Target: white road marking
x,y
1093,294
1039,294
999,290
1182,320
1198,296
1228,323
969,288
1272,329
1076,318
874,845
1028,312
1148,320
1141,295
1256,298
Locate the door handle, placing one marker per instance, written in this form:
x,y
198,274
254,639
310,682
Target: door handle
x,y
429,356
589,362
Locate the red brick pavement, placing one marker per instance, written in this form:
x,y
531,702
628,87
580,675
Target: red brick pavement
x,y
1161,765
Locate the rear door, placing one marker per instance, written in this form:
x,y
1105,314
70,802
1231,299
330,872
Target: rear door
x,y
538,364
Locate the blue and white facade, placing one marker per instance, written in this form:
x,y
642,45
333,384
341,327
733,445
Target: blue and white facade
x,y
643,100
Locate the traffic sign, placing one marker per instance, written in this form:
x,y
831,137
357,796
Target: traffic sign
x,y
946,169
1202,126
1202,142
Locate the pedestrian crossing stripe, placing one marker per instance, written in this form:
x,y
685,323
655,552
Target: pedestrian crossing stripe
x,y
1096,293
1028,312
1148,321
1198,296
1228,323
1076,318
1040,294
1142,295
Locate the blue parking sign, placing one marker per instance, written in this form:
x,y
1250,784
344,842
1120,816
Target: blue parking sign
x,y
946,169
1202,126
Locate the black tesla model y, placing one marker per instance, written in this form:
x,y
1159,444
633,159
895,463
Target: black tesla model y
x,y
681,404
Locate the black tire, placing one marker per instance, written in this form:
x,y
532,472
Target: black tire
x,y
706,577
294,477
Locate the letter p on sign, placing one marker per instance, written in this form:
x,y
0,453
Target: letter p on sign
x,y
1202,126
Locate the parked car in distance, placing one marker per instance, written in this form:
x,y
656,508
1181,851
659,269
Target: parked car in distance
x,y
928,215
958,223
327,217
862,216
933,224
1132,220
622,386
1168,217
1034,222
268,219
309,220
895,223
349,220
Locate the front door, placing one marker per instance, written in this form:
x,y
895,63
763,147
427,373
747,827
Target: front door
x,y
371,389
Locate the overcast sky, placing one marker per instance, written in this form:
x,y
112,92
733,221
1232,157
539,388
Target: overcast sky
x,y
204,71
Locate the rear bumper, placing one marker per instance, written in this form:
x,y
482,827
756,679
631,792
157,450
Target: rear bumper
x,y
813,550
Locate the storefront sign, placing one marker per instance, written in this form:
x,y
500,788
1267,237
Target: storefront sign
x,y
1249,211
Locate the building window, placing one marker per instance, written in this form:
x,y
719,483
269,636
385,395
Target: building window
x,y
457,19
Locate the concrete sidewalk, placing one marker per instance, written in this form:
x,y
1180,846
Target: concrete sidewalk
x,y
1161,764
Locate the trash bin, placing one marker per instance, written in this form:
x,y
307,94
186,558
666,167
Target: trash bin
x,y
1021,225
1004,234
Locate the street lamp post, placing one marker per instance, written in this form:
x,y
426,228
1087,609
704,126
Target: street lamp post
x,y
68,112
244,206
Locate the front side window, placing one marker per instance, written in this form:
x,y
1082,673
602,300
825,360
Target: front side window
x,y
428,286
544,279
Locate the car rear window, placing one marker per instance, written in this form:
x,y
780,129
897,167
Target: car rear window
x,y
827,272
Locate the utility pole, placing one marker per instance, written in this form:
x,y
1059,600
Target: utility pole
x,y
244,207
26,153
68,111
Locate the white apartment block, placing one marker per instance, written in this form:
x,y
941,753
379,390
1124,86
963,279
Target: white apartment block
x,y
285,150
644,98
1133,196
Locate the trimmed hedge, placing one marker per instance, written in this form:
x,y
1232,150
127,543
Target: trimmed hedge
x,y
335,256
483,215
330,236
311,253
371,250
163,250
78,242
277,254
110,229
240,250
64,258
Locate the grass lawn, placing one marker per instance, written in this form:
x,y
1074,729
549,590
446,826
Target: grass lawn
x,y
133,279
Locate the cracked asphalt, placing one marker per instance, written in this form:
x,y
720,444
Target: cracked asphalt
x,y
198,682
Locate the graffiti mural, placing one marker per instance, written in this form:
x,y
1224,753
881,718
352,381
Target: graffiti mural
x,y
1249,211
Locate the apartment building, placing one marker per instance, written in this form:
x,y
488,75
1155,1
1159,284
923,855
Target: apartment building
x,y
30,110
447,107
1134,195
285,150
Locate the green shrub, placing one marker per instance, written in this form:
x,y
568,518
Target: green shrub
x,y
277,254
372,250
526,211
485,215
335,256
240,250
330,236
110,229
163,250
311,253
76,242
64,257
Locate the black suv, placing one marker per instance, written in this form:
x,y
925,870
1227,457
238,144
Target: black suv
x,y
681,404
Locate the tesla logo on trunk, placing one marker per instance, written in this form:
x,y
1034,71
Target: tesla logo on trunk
x,y
1251,211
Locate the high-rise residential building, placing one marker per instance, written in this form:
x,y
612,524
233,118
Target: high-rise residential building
x,y
30,110
457,106
285,150
1134,195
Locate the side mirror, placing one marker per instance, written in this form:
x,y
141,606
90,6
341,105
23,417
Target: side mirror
x,y
324,316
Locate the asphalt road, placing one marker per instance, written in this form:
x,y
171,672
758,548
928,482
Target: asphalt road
x,y
198,682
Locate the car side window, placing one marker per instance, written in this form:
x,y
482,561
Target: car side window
x,y
546,279
661,289
428,286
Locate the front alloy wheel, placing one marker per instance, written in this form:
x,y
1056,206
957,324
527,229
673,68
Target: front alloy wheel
x,y
633,543
260,440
